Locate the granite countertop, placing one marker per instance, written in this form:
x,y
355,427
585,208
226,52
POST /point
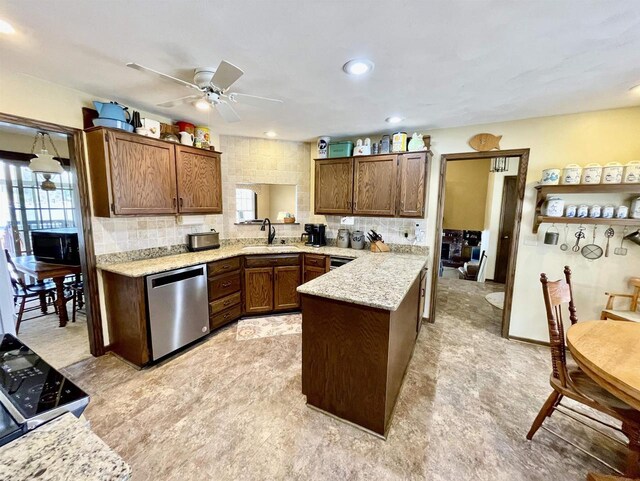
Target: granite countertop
x,y
63,449
378,280
145,267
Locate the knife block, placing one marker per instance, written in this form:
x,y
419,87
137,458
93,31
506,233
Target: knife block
x,y
379,246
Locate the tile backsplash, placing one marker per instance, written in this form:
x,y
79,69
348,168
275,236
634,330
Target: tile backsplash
x,y
392,230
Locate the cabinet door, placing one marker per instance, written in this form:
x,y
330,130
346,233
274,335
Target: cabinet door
x,y
334,186
143,174
287,279
411,185
199,180
258,289
311,273
375,185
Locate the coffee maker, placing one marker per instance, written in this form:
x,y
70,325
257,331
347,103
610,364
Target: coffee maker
x,y
315,235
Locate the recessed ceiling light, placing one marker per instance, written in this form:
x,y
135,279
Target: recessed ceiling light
x,y
358,66
202,104
6,27
394,119
270,133
635,90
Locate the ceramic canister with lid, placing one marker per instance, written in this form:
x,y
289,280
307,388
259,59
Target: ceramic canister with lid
x,y
622,212
571,174
571,210
631,173
550,177
553,207
357,239
591,173
634,212
608,211
595,211
323,147
343,238
583,211
612,173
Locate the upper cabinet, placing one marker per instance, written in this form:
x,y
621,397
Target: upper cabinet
x,y
199,180
136,175
334,186
386,185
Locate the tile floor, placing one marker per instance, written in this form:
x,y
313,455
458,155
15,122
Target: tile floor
x,y
232,410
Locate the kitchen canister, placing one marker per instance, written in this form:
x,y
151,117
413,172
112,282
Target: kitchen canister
x,y
612,173
323,147
571,210
595,211
550,177
571,174
591,173
400,142
608,211
622,212
631,173
343,238
583,211
634,212
553,207
552,235
203,137
357,239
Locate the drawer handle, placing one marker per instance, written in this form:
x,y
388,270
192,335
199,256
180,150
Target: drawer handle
x,y
226,284
226,316
226,266
226,303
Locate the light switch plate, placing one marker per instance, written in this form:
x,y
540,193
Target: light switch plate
x,y
348,221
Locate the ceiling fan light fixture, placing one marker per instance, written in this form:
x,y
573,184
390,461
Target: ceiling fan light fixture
x,y
6,27
394,119
202,104
635,89
359,66
271,134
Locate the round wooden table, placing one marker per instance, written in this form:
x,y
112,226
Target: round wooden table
x,y
609,353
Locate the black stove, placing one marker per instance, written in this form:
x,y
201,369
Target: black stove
x,y
31,391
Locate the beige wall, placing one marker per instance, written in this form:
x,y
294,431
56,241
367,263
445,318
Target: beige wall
x,y
282,200
466,194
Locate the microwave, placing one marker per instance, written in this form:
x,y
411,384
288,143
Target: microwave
x,y
57,246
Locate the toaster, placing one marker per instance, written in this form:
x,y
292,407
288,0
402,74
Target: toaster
x,y
203,241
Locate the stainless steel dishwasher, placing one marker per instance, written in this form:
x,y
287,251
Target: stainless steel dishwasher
x,y
178,308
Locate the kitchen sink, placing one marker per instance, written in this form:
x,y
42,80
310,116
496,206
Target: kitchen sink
x,y
272,248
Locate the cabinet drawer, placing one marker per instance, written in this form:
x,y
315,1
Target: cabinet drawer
x,y
224,303
315,260
225,317
268,261
223,266
223,285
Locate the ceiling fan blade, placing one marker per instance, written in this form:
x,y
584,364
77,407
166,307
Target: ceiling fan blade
x,y
226,112
163,76
226,74
182,100
252,99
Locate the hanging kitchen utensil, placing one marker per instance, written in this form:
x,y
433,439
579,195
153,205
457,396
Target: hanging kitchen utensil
x,y
621,251
609,233
634,237
592,251
551,236
565,245
579,235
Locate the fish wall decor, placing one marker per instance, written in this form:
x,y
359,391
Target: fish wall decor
x,y
485,142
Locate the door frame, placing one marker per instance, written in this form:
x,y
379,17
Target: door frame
x,y
79,175
523,164
501,225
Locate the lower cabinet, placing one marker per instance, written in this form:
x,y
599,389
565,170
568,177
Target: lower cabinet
x,y
287,280
270,283
258,289
225,296
314,266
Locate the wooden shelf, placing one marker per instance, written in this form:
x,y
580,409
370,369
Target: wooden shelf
x,y
589,189
584,220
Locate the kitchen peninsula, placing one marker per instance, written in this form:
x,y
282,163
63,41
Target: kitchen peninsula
x,y
359,327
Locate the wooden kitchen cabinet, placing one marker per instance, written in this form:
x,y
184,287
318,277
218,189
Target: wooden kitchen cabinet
x,y
286,281
334,186
136,175
412,178
314,266
311,273
375,188
258,290
199,180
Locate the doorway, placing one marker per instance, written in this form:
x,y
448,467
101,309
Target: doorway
x,y
490,259
59,202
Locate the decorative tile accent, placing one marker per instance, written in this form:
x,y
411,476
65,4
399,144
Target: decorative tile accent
x,y
270,326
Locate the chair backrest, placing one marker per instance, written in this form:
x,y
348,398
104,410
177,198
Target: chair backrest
x,y
17,282
557,293
635,300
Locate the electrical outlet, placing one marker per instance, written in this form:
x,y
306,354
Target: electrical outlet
x,y
348,221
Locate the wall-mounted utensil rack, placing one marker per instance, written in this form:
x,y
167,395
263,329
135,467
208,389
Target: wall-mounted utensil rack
x,y
544,190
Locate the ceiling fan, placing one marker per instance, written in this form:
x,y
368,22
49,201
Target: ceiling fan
x,y
212,85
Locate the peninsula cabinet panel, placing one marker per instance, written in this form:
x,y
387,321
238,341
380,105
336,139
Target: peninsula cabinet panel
x,y
375,185
199,181
287,280
258,289
411,184
334,186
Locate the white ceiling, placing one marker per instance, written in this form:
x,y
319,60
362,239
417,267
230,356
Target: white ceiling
x,y
437,63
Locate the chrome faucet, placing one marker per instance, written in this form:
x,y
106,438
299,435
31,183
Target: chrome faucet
x,y
272,230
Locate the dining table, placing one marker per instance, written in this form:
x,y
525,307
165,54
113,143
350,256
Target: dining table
x,y
609,353
57,273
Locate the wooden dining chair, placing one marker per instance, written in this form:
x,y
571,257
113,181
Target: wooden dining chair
x,y
631,314
572,382
29,292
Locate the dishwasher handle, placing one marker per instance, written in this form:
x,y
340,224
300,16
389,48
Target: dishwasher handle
x,y
174,277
